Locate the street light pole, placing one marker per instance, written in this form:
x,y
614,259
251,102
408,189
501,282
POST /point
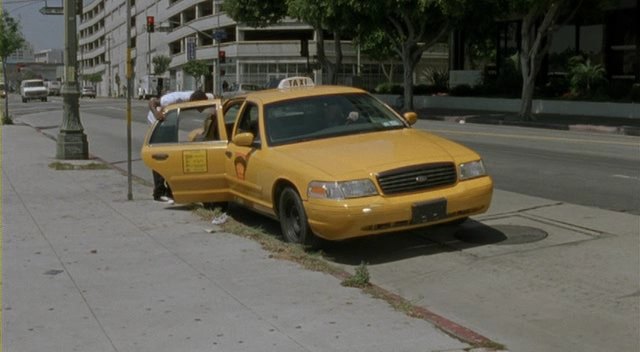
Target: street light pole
x,y
129,92
71,142
109,66
218,36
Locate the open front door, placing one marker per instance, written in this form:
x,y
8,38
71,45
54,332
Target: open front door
x,y
188,151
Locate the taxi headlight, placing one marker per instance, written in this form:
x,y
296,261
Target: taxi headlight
x,y
341,190
472,169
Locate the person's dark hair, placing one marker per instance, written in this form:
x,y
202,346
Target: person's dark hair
x,y
198,95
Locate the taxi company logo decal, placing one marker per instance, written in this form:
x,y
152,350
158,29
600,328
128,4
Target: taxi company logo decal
x,y
240,163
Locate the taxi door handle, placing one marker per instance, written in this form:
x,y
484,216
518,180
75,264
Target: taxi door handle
x,y
228,154
161,156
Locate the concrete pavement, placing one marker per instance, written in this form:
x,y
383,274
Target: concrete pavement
x,y
84,269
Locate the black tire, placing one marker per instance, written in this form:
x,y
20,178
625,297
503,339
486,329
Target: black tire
x,y
293,219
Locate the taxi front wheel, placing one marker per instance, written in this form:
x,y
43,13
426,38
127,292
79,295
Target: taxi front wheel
x,y
293,219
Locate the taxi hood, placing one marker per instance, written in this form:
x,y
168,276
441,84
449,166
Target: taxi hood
x,y
360,155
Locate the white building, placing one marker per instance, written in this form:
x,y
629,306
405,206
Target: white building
x,y
49,56
252,55
24,54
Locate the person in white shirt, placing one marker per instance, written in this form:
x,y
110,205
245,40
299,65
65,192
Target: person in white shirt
x,y
161,191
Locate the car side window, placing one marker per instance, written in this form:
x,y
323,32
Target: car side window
x,y
186,126
231,115
249,121
166,131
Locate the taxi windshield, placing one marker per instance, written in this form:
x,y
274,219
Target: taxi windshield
x,y
327,116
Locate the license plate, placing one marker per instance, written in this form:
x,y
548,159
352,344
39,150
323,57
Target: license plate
x,y
429,211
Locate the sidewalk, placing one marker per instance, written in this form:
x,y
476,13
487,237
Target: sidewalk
x,y
84,269
603,124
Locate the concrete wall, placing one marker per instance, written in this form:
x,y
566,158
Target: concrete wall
x,y
628,110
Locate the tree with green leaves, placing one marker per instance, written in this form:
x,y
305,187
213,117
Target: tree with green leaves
x,y
94,77
256,13
375,45
540,20
332,16
411,27
160,64
11,40
197,69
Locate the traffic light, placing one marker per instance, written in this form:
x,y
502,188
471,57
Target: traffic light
x,y
222,56
150,24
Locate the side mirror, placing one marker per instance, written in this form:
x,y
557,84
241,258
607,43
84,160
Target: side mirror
x,y
243,139
411,117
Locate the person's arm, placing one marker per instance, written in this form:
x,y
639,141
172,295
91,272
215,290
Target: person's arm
x,y
155,108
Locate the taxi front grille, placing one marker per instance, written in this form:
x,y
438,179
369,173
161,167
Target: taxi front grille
x,y
417,178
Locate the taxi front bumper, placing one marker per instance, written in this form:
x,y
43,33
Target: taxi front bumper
x,y
339,220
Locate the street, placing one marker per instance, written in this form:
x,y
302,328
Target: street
x,y
553,266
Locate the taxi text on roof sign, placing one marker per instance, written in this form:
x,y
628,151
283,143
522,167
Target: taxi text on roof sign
x,y
294,82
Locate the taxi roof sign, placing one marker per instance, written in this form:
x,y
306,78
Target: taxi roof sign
x,y
294,82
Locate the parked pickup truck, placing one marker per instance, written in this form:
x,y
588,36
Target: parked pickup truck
x,y
33,89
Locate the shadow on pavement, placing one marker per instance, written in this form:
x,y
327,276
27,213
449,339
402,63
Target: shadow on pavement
x,y
402,245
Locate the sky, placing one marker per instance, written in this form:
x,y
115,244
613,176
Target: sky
x,y
43,32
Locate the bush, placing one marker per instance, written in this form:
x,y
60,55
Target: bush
x,y
585,78
389,88
439,77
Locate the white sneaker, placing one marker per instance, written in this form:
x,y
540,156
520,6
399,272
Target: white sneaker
x,y
165,199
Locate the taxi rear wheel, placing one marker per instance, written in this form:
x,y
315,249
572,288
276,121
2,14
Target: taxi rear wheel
x,y
293,219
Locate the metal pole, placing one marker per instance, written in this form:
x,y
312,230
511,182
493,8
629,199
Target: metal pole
x,y
218,77
129,91
218,80
71,142
109,66
148,53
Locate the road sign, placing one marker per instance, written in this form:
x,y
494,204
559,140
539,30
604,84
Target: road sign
x,y
50,10
219,35
191,48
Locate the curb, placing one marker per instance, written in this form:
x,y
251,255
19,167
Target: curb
x,y
462,119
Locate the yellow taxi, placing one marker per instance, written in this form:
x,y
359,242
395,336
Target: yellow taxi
x,y
328,162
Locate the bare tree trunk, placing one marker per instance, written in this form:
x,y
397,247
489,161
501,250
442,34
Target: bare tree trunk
x,y
338,64
327,65
388,74
5,117
528,86
407,63
536,40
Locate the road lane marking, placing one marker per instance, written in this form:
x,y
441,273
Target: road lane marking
x,y
627,177
523,136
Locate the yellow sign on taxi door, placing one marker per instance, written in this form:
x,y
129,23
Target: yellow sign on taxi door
x,y
194,161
